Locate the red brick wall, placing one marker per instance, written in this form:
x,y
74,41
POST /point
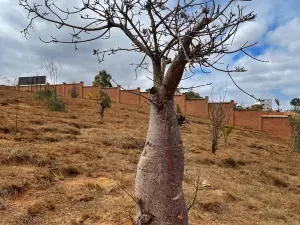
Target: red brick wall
x,y
144,101
130,98
248,119
197,107
228,108
69,87
277,126
59,89
113,93
180,100
34,88
24,88
94,90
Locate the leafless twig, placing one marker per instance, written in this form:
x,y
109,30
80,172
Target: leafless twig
x,y
192,87
132,92
51,69
197,188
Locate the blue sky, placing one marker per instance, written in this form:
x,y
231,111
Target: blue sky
x,y
276,29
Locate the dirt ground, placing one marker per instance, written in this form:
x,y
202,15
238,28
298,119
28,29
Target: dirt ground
x,y
71,168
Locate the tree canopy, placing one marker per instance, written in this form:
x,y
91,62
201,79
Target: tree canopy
x,y
192,94
295,103
103,79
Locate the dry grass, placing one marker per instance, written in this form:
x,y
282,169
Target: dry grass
x,y
71,168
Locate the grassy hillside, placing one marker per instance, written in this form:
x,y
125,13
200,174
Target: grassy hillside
x,y
71,168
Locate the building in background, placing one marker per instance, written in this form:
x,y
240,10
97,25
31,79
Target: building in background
x,y
266,104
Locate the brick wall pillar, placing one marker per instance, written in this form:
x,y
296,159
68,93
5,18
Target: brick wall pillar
x,y
139,92
183,103
64,89
207,106
260,115
81,89
232,113
118,93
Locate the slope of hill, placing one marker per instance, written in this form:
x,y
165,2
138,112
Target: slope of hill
x,y
71,168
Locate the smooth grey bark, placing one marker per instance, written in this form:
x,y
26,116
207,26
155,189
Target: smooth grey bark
x,y
160,170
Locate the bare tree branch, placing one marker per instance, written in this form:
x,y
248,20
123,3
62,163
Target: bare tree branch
x,y
252,96
134,93
196,33
192,87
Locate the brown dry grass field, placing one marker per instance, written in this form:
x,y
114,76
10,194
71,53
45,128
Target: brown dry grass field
x,y
71,168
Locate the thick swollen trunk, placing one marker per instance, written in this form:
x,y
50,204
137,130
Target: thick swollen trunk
x,y
158,189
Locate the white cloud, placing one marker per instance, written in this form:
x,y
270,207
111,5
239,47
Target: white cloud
x,y
286,36
262,78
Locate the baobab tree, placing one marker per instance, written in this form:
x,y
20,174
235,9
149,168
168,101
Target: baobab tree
x,y
176,36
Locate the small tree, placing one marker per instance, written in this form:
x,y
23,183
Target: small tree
x,y
218,120
51,69
105,102
73,93
226,132
278,105
102,79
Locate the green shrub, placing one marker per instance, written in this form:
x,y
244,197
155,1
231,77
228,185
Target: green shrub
x,y
44,94
296,143
55,104
226,132
295,122
51,100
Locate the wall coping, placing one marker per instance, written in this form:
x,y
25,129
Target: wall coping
x,y
130,90
196,98
275,116
219,102
90,86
